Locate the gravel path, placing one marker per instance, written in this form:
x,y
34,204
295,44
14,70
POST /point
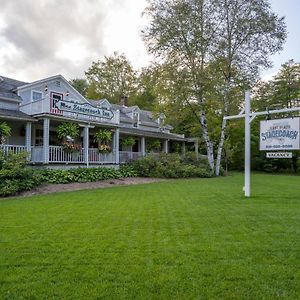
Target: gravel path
x,y
52,188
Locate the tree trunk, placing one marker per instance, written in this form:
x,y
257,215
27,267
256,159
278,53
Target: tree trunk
x,y
223,126
220,148
208,143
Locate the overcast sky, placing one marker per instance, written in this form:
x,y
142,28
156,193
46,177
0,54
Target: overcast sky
x,y
41,38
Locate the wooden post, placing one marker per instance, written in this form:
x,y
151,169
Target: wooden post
x,y
166,146
86,144
116,145
28,139
143,146
46,130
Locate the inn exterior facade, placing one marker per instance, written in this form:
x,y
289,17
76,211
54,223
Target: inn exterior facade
x,y
35,110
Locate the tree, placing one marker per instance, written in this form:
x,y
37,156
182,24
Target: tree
x,y
111,78
233,37
145,96
170,92
287,84
81,85
282,91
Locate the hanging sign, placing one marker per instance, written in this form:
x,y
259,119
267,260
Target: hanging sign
x,y
279,155
280,134
84,109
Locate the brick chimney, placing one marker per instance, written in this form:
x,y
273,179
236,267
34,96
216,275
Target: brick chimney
x,y
124,101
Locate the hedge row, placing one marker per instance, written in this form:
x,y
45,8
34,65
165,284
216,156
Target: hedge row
x,y
85,174
172,166
15,176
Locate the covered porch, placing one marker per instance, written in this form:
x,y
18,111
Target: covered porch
x,y
39,140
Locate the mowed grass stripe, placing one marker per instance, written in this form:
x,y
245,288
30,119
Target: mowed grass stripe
x,y
180,239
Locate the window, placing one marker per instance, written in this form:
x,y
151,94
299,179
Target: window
x,y
36,95
135,119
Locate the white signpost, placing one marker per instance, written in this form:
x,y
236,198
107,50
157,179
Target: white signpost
x,y
249,117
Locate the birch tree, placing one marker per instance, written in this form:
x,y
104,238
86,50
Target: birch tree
x,y
235,36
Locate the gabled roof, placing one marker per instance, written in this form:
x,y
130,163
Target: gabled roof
x,y
145,116
51,78
100,103
8,87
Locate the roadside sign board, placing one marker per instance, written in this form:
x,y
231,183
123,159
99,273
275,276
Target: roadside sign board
x,y
279,154
280,134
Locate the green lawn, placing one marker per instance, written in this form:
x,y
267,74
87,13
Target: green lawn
x,y
180,239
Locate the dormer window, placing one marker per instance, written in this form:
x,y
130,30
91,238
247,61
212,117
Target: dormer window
x,y
160,120
36,95
136,118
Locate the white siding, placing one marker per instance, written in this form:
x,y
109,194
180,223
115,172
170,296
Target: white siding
x,y
52,87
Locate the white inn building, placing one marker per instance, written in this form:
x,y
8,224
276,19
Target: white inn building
x,y
35,110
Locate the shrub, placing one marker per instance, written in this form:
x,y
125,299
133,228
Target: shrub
x,y
128,171
192,159
298,165
170,166
15,176
86,174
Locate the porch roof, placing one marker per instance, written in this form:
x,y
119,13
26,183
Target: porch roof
x,y
153,134
15,115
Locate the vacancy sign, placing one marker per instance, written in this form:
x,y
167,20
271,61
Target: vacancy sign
x,y
279,155
280,134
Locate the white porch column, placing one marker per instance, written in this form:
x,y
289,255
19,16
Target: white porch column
x,y
28,139
117,145
143,146
197,148
165,146
183,148
46,129
86,144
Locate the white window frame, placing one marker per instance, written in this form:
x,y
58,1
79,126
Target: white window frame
x,y
138,119
35,91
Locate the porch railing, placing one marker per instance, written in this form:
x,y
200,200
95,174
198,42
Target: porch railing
x,y
105,158
36,107
37,154
126,156
58,155
12,148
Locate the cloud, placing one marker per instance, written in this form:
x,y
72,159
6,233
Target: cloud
x,y
46,37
